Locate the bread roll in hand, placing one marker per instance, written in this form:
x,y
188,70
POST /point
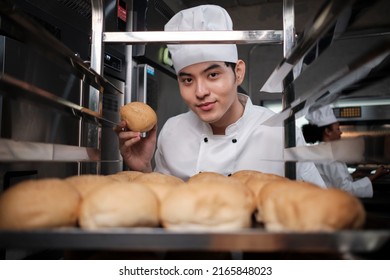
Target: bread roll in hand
x,y
139,116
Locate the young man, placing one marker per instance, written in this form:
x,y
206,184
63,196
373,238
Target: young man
x,y
223,131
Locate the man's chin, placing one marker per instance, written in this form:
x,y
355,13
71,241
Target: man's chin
x,y
208,120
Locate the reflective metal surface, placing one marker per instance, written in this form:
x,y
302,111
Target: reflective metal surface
x,y
11,150
15,88
147,239
320,24
27,30
196,37
336,85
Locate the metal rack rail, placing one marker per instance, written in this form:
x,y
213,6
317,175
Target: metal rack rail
x,y
154,239
23,28
11,150
16,24
15,88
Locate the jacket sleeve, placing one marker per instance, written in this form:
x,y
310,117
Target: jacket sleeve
x,y
307,171
339,177
159,160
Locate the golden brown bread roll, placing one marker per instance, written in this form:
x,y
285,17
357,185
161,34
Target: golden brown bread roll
x,y
269,187
120,204
160,184
43,203
124,176
130,174
86,183
298,206
255,180
217,204
138,116
205,176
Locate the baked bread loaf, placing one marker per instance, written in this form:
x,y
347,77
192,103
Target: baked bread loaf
x,y
138,116
214,205
298,206
130,174
120,204
205,176
160,184
86,183
255,180
125,176
43,203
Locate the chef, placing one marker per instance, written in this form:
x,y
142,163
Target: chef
x,y
223,131
324,127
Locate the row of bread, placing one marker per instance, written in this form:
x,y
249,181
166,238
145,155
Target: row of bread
x,y
207,201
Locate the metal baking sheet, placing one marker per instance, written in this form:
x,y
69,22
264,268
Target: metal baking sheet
x,y
155,239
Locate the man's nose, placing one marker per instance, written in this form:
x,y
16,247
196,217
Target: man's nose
x,y
201,89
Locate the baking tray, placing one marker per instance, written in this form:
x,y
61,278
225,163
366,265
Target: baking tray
x,y
155,239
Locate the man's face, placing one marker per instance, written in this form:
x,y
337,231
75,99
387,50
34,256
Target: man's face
x,y
335,132
209,89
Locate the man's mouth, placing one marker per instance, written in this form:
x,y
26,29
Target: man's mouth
x,y
206,106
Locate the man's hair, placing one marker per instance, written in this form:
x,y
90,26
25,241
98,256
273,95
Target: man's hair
x,y
232,65
314,133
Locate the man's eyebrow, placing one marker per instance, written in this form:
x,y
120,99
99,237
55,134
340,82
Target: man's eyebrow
x,y
211,67
181,74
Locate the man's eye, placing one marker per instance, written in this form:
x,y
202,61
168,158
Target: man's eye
x,y
186,81
213,75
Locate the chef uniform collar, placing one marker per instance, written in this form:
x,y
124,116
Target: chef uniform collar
x,y
322,116
201,18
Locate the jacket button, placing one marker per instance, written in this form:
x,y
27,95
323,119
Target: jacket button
x,y
205,140
234,140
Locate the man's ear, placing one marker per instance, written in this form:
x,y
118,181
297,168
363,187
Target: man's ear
x,y
240,71
327,131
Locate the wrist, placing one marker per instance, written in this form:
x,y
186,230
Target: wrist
x,y
142,167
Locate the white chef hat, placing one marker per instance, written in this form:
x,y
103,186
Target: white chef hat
x,y
322,116
201,18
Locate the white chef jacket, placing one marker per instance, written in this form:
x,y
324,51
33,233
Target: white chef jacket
x,y
186,146
336,174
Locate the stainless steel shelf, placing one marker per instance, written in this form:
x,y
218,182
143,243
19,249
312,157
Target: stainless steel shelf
x,y
315,30
151,239
15,88
370,68
28,31
11,150
196,37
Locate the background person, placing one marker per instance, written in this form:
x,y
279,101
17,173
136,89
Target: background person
x,y
324,127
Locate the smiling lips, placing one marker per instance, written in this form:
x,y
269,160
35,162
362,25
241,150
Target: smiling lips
x,y
207,106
